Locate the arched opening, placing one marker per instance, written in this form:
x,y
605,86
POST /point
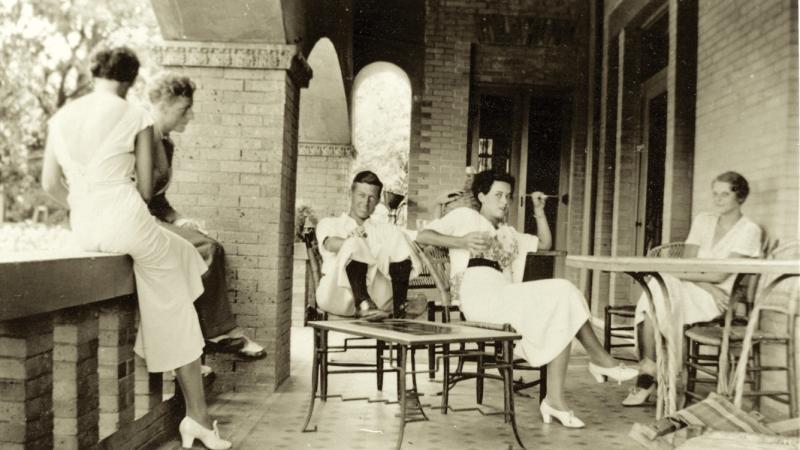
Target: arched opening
x,y
382,131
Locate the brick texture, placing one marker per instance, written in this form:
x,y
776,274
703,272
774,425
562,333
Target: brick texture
x,y
235,167
115,366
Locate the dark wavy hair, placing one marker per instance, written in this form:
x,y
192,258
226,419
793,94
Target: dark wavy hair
x,y
366,177
169,86
738,183
483,181
118,64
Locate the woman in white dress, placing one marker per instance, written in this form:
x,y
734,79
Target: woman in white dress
x,y
98,162
487,261
696,297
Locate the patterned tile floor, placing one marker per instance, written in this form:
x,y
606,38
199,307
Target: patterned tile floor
x,y
273,421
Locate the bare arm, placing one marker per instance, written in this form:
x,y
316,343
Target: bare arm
x,y
542,227
53,176
143,150
472,241
333,244
709,277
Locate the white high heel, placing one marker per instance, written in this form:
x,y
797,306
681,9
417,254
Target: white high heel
x,y
620,373
567,418
191,430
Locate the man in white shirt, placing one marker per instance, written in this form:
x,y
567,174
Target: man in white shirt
x,y
365,265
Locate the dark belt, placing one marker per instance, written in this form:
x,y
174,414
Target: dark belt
x,y
483,262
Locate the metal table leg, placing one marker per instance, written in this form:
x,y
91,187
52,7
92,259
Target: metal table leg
x,y
315,369
401,378
508,387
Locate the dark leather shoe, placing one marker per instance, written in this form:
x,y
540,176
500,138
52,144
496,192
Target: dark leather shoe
x,y
226,345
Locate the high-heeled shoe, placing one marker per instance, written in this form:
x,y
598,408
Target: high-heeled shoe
x,y
567,418
620,373
191,430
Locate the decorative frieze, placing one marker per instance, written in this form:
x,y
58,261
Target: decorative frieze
x,y
243,56
326,150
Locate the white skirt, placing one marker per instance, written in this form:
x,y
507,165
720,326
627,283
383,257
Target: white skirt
x,y
547,313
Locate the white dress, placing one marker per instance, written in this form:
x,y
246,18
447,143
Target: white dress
x,y
692,302
547,313
92,139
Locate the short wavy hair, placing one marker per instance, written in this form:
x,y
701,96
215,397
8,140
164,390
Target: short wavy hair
x,y
483,181
118,64
367,177
739,185
167,87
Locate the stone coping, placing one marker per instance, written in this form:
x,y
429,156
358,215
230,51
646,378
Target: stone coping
x,y
39,282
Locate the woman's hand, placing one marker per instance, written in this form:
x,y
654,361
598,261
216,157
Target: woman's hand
x,y
538,199
477,241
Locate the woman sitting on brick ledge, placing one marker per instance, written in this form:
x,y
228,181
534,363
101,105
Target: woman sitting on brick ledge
x,y
103,146
172,97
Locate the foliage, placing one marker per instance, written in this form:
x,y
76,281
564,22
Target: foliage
x,y
304,217
45,46
382,131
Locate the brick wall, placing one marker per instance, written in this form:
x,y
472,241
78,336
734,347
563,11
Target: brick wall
x,y
747,107
747,121
456,55
323,172
235,168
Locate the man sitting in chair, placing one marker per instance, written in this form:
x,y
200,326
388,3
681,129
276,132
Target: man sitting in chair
x,y
365,265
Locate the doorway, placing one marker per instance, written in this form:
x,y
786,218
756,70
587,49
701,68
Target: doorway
x,y
526,133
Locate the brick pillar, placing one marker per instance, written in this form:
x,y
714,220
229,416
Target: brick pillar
x,y
117,332
235,167
626,163
323,177
26,383
75,385
148,388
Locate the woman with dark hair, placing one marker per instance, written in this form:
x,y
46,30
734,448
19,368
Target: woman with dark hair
x,y
696,297
98,162
487,258
172,97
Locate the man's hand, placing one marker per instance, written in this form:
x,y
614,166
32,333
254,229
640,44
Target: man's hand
x,y
477,241
359,232
191,224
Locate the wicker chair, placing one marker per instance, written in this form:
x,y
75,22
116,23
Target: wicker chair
x,y
625,330
436,261
354,343
780,298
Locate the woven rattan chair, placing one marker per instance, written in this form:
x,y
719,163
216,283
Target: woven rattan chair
x,y
354,343
437,263
781,297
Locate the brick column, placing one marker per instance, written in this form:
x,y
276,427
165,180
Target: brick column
x,y
75,385
26,383
117,332
236,167
323,172
148,388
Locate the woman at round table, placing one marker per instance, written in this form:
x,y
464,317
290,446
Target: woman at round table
x,y
725,232
484,255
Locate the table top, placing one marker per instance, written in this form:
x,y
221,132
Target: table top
x,y
414,332
683,265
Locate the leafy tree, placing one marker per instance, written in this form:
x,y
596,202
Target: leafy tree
x,y
45,46
382,130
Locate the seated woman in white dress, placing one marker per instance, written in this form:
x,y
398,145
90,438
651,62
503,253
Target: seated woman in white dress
x,y
696,297
98,162
485,256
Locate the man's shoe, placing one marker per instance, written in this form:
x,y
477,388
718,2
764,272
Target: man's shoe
x,y
414,307
369,311
637,396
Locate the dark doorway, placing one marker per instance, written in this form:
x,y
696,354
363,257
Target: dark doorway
x,y
654,171
496,133
547,123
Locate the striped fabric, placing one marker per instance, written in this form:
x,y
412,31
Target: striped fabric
x,y
718,413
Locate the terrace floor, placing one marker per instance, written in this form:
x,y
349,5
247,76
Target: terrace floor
x,y
274,420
